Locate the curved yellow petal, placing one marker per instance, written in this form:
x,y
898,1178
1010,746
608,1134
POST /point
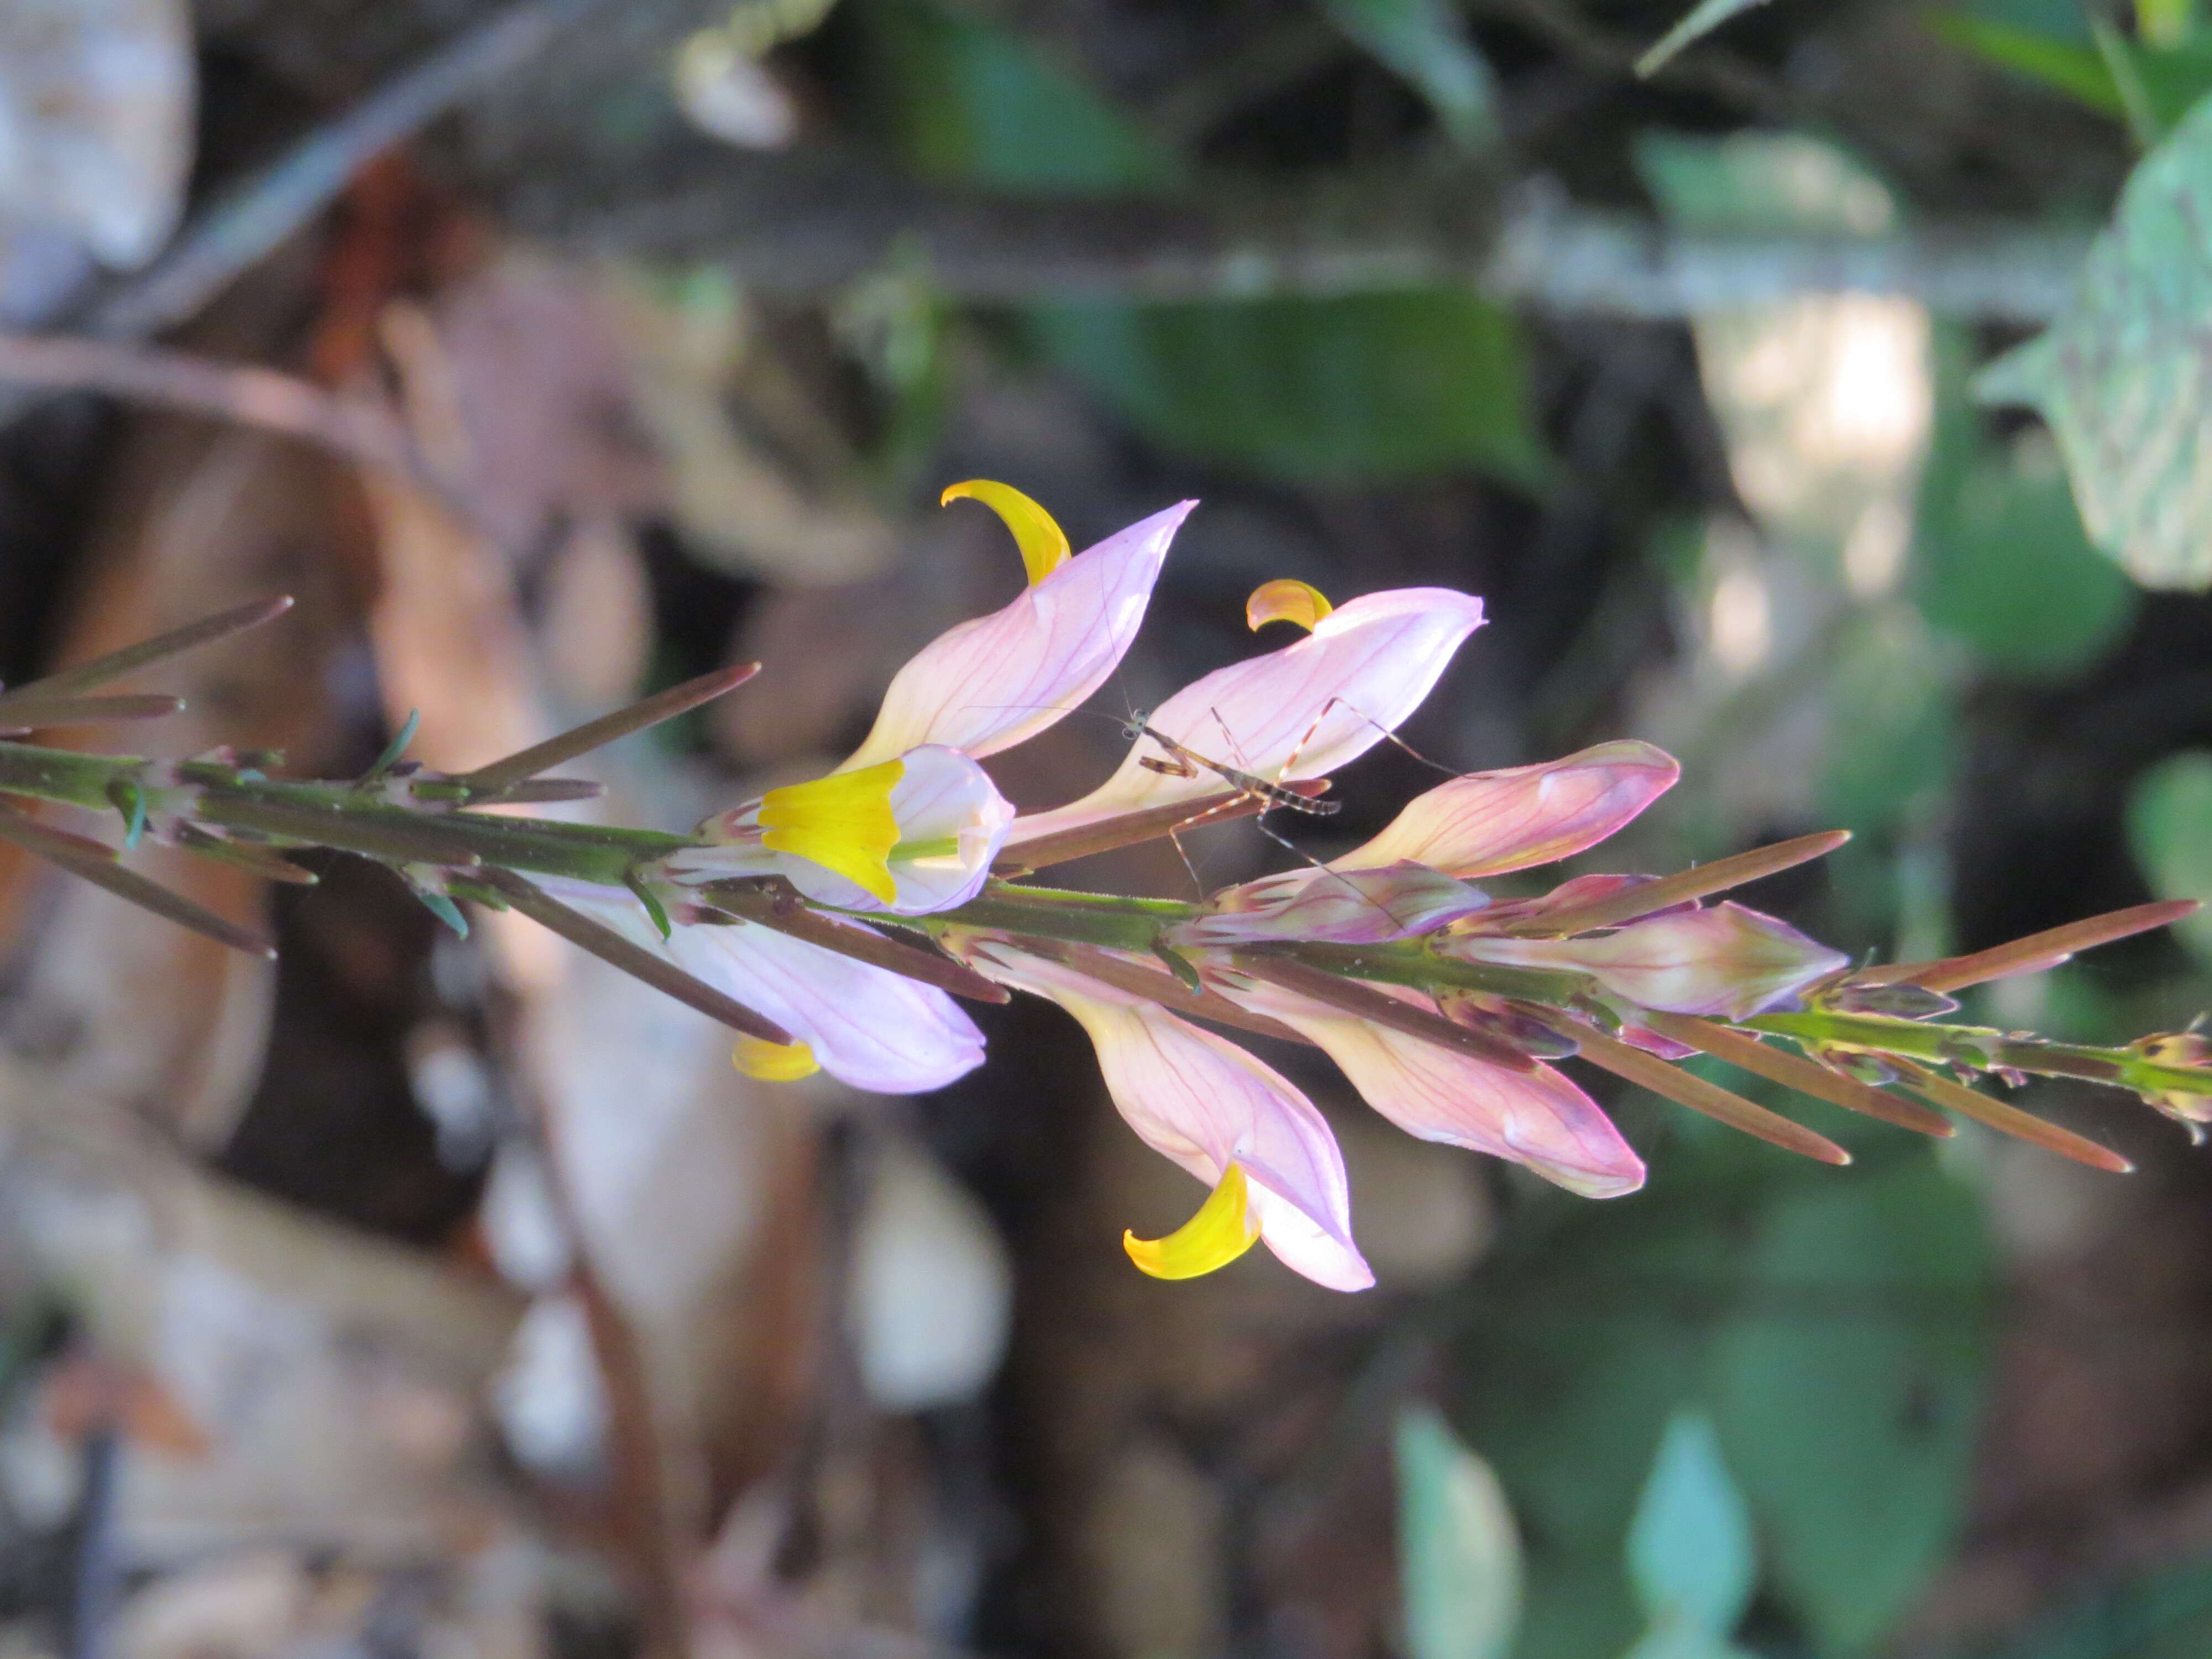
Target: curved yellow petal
x,y
1285,600
1222,1230
774,1062
1043,542
843,823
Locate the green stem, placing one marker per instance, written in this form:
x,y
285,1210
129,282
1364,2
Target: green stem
x,y
1985,1049
342,815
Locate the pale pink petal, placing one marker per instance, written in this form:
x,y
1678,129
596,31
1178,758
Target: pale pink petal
x,y
1723,960
1324,701
1355,907
994,681
870,1027
1535,1118
873,1030
943,796
1487,822
1202,1102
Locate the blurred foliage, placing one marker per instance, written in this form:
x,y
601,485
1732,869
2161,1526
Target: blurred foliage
x,y
2170,827
1358,389
1460,1558
1833,1333
1427,42
1701,19
2125,377
1691,1557
2003,564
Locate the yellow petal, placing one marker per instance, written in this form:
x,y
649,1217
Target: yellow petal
x,y
1222,1230
774,1062
843,823
1044,544
1285,600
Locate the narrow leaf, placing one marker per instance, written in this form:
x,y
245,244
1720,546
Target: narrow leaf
x,y
2010,1119
1685,884
95,863
395,749
2033,953
634,960
1171,993
1427,42
264,861
1650,1071
1703,18
27,713
1378,1008
1794,1071
1459,1553
593,734
162,647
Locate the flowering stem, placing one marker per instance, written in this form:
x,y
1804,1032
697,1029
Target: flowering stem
x,y
387,821
1981,1050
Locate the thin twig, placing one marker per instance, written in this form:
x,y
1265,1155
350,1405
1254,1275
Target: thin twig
x,y
247,220
812,220
238,392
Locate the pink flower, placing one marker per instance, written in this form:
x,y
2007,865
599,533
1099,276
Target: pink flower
x,y
1487,822
1298,713
1537,1118
910,823
1723,960
872,1029
1207,1105
990,683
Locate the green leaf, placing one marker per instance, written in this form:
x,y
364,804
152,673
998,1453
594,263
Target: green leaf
x,y
2173,77
2004,565
1891,731
1690,1556
1847,1388
1427,42
1365,387
2170,830
1757,183
1703,18
2162,1616
2124,377
1459,1555
972,103
1684,1641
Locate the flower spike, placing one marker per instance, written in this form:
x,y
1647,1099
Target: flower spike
x,y
1222,1230
1043,542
